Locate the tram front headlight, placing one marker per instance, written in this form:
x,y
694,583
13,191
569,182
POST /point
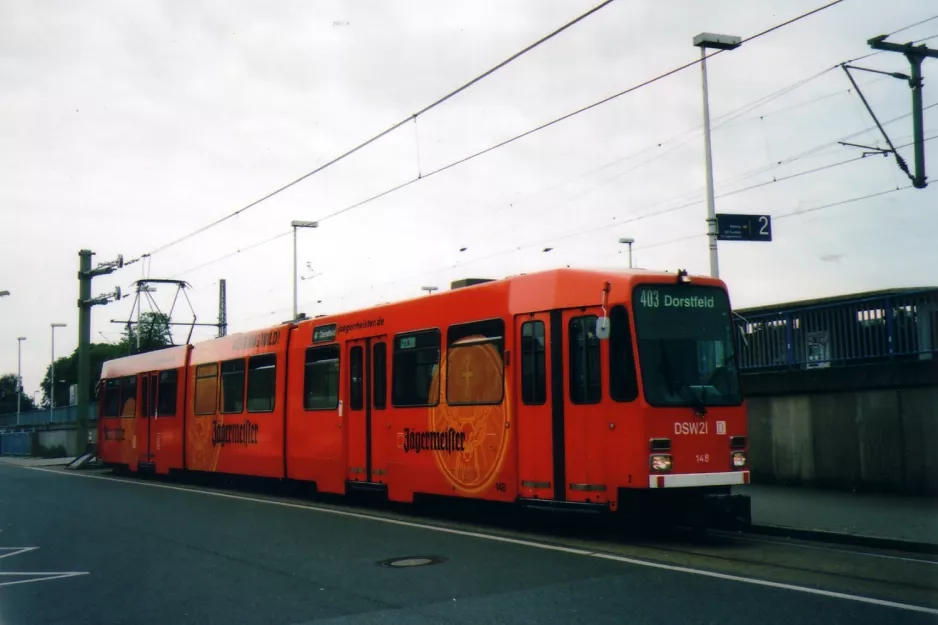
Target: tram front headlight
x,y
661,463
738,459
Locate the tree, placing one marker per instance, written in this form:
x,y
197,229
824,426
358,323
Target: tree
x,y
154,335
8,396
154,331
66,371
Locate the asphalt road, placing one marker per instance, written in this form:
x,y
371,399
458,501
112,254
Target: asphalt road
x,y
146,553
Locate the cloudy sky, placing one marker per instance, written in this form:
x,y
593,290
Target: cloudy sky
x,y
125,126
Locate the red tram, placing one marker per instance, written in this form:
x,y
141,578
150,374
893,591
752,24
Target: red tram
x,y
568,388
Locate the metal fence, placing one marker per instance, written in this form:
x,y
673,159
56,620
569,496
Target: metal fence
x,y
59,416
897,326
16,443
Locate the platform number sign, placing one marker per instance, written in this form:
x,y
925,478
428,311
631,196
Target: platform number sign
x,y
744,227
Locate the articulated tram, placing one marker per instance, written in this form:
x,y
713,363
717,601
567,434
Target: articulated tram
x,y
602,390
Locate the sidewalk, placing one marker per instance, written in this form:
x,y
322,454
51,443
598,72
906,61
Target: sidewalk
x,y
36,462
889,517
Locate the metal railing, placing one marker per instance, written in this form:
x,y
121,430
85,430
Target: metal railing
x,y
902,326
63,415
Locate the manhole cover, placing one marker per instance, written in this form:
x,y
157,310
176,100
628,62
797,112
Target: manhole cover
x,y
409,561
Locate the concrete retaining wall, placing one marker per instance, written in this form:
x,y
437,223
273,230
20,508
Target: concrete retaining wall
x,y
866,428
65,438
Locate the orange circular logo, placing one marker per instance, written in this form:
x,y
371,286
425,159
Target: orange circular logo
x,y
472,373
203,456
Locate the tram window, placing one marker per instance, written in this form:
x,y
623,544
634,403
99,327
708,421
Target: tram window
x,y
206,388
321,379
416,364
379,377
167,394
475,363
356,380
232,386
533,364
623,383
112,398
128,396
585,381
262,382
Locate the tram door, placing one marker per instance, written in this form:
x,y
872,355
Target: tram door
x,y
149,393
588,415
365,400
562,423
538,430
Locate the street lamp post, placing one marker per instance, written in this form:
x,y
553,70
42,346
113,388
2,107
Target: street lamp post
x,y
629,242
52,370
295,225
19,374
719,42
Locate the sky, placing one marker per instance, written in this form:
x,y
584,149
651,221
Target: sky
x,y
126,126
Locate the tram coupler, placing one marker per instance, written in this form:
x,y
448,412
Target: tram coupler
x,y
701,509
725,511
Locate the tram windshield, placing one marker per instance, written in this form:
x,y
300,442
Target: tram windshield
x,y
685,346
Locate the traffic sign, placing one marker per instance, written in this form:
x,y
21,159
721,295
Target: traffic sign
x,y
743,227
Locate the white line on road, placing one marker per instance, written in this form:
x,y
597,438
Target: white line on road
x,y
515,541
44,577
15,551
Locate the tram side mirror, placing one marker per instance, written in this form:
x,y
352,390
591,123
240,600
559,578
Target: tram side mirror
x,y
602,328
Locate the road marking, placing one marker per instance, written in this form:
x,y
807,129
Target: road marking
x,y
14,551
516,541
44,577
32,576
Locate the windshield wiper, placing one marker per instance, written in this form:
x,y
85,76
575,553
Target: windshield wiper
x,y
665,369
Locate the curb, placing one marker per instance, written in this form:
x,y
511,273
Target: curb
x,y
12,461
875,542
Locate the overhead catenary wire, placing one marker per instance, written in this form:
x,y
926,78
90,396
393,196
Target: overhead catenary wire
x,y
738,178
384,133
718,123
340,295
802,211
794,213
687,204
687,135
491,148
465,159
236,252
563,118
910,26
553,240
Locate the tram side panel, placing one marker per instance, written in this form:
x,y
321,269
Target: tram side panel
x,y
452,415
116,421
234,421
